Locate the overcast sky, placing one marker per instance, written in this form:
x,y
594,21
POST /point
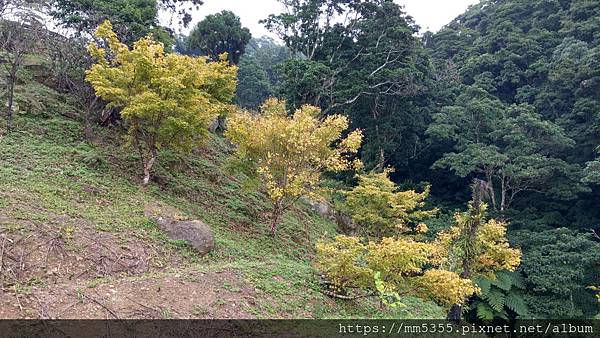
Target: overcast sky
x,y
429,14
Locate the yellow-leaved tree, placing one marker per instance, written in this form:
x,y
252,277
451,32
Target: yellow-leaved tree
x,y
475,246
377,205
167,99
442,269
401,265
290,153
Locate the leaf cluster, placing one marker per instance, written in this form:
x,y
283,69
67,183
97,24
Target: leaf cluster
x,y
380,209
290,153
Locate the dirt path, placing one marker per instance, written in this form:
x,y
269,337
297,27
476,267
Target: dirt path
x,y
64,268
180,295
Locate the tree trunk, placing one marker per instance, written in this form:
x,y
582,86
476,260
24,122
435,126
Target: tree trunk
x,y
503,200
12,78
9,112
490,189
275,219
479,188
148,166
381,162
87,118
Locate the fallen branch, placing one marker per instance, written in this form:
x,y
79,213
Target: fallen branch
x,y
2,254
594,233
345,297
102,305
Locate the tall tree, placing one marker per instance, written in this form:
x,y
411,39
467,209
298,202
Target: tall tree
x,y
168,100
258,77
253,86
131,19
512,148
362,58
217,34
21,33
269,54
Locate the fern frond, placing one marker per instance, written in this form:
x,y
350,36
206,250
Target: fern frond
x,y
495,298
503,280
484,311
516,303
517,280
503,315
484,285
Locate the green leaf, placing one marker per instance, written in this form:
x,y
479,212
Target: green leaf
x,y
484,311
503,280
517,280
484,285
502,315
495,299
516,303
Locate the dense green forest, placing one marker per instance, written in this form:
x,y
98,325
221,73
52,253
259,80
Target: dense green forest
x,y
457,171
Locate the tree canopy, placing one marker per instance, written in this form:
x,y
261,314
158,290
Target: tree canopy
x,y
507,93
217,34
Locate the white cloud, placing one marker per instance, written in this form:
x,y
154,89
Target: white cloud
x,y
429,14
433,14
249,11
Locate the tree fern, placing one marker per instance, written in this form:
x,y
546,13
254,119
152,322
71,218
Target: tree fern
x,y
517,280
484,285
484,311
503,280
515,302
500,295
495,298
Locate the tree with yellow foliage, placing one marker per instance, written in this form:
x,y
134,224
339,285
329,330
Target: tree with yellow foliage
x,y
380,209
290,153
167,99
475,246
403,265
443,269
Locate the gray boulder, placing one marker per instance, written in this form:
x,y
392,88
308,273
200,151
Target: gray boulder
x,y
345,223
196,233
212,127
321,207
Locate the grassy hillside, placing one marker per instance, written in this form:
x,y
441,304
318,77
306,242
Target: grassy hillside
x,y
75,241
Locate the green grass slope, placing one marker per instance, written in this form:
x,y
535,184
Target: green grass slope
x,y
75,241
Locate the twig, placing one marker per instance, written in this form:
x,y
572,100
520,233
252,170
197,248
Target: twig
x,y
344,297
144,306
17,296
51,245
2,253
102,305
43,310
65,309
594,233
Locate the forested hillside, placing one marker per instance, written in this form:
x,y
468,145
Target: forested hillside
x,y
523,113
354,166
